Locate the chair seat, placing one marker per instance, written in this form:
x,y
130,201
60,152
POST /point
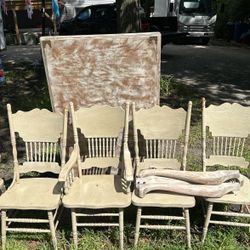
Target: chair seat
x,y
32,194
159,163
163,199
100,162
241,197
97,191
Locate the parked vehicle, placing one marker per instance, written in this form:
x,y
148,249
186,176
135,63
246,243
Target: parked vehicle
x,y
72,8
95,19
197,18
194,17
167,26
101,19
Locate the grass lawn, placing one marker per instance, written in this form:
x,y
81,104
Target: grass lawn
x,y
25,89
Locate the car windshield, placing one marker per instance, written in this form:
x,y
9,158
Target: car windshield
x,y
196,6
84,15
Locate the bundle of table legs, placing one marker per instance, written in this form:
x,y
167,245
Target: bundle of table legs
x,y
213,184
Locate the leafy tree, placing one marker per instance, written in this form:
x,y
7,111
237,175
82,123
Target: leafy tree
x,y
230,11
239,10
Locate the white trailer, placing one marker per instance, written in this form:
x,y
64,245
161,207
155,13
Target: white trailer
x,y
163,8
195,17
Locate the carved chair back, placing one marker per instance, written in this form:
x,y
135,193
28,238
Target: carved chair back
x,y
42,138
225,131
100,131
157,133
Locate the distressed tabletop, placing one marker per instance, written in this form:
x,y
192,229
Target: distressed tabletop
x,y
103,69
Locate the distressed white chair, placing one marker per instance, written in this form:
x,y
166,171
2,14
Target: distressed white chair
x,y
225,129
102,180
43,136
2,187
156,140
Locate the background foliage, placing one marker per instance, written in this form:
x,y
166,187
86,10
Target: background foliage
x,y
230,11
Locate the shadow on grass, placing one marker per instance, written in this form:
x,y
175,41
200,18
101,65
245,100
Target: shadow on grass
x,y
25,87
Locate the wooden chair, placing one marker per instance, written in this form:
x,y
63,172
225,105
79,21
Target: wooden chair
x,y
224,144
156,134
2,186
43,135
104,172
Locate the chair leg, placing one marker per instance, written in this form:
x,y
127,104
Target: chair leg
x,y
59,214
74,227
121,227
206,224
186,213
137,226
52,229
3,229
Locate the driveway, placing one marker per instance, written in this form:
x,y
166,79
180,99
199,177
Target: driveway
x,y
219,73
23,53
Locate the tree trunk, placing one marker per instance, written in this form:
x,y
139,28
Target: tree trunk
x,y
2,37
128,20
18,36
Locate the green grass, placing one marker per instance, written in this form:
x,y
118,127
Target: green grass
x,y
223,238
175,95
26,88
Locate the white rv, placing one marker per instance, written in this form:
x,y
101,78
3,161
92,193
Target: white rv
x,y
195,17
72,7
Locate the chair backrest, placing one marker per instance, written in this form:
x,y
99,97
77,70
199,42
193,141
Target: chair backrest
x,y
159,129
229,127
99,131
43,135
